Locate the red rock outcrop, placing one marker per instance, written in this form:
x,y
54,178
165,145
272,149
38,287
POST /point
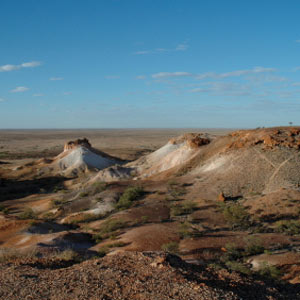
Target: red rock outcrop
x,y
194,140
270,138
79,142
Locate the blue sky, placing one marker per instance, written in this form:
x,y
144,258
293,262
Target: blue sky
x,y
149,63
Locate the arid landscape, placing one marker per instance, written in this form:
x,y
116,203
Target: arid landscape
x,y
150,214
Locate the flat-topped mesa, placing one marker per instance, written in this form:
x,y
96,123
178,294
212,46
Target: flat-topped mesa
x,y
288,137
193,140
79,142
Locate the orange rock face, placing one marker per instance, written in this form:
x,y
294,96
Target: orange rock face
x,y
270,138
74,144
221,197
194,140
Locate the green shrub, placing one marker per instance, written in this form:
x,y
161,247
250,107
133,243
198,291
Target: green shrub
x,y
98,187
236,215
130,194
103,251
111,225
268,271
108,229
67,255
238,267
253,246
232,253
183,208
185,230
116,245
171,247
290,227
83,194
176,191
4,209
28,213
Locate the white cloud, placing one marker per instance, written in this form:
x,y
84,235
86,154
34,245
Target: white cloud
x,y
20,89
31,64
182,47
8,68
171,74
140,77
245,72
56,78
2,100
38,95
255,70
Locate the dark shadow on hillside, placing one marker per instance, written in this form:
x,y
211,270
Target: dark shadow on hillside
x,y
245,289
16,189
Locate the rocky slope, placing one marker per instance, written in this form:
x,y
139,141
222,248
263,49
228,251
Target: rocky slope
x,y
147,275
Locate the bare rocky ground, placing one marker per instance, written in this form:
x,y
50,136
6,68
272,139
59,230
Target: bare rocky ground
x,y
228,203
143,275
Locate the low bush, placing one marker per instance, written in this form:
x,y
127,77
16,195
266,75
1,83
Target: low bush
x,y
28,213
253,246
130,194
98,187
269,272
185,230
108,229
103,251
171,247
4,209
238,267
236,215
67,255
183,208
290,227
83,194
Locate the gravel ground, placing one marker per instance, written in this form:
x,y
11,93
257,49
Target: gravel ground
x,y
131,275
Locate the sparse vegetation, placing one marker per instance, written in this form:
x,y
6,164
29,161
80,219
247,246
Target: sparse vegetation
x,y
268,271
98,187
236,215
28,213
12,254
83,194
4,209
253,246
238,267
290,227
185,230
103,251
171,247
109,227
183,208
67,255
130,194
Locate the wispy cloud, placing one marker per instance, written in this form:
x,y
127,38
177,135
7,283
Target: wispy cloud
x,y
297,41
67,93
171,74
255,70
56,78
2,100
140,77
38,95
20,89
237,73
8,68
180,47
